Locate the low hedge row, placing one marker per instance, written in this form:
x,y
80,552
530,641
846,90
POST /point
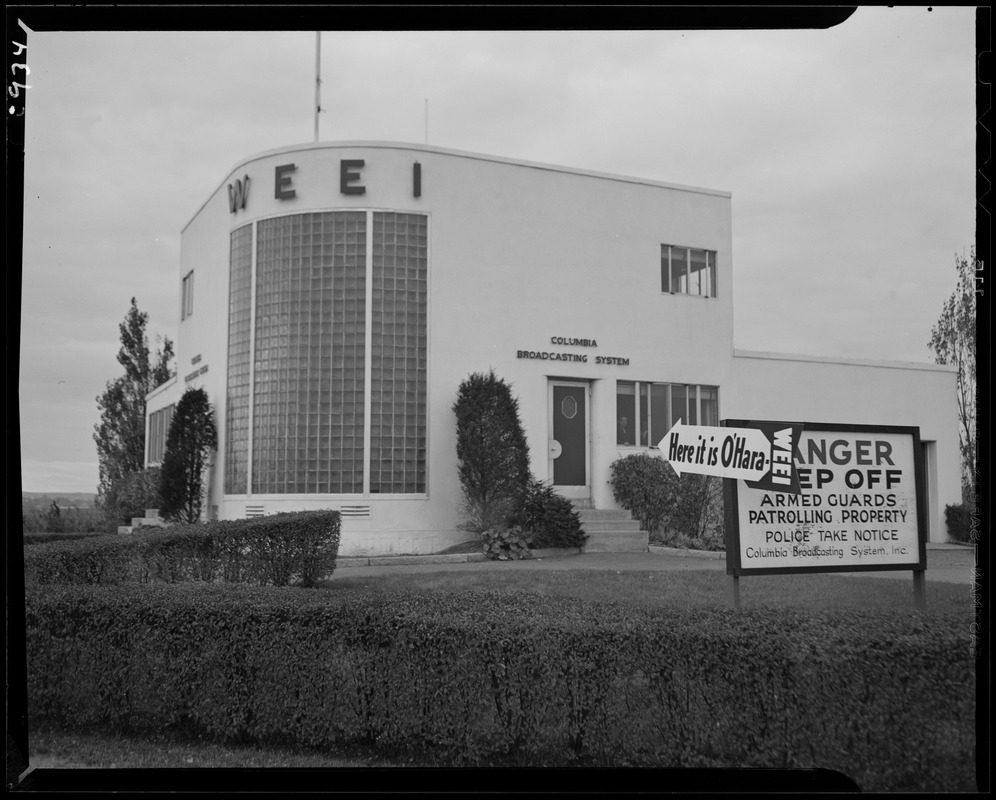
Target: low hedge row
x,y
886,698
274,550
48,537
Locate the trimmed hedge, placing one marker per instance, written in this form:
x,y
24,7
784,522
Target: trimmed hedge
x,y
885,697
676,512
47,538
275,549
647,486
959,523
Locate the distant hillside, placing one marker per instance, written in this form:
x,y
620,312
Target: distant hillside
x,y
43,500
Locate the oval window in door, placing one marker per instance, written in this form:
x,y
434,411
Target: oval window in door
x,y
569,407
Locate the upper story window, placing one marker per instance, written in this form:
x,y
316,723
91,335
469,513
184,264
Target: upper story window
x,y
646,411
187,303
688,270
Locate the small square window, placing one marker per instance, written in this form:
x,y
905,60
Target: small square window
x,y
688,270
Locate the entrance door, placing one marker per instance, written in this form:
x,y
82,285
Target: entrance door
x,y
569,452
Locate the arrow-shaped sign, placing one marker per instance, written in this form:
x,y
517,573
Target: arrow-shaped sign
x,y
740,453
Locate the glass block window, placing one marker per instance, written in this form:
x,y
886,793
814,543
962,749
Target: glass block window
x,y
305,336
688,270
660,406
158,431
399,335
239,321
309,354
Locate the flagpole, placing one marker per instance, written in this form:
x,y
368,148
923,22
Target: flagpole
x,y
318,79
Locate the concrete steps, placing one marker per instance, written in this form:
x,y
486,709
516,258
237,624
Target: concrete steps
x,y
150,520
612,531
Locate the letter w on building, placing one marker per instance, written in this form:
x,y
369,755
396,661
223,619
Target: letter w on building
x,y
238,194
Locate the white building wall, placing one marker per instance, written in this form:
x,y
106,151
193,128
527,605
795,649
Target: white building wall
x,y
820,390
202,338
520,253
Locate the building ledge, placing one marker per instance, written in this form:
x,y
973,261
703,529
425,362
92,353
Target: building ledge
x,y
162,387
853,362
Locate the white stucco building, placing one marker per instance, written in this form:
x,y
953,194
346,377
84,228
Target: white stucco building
x,y
335,295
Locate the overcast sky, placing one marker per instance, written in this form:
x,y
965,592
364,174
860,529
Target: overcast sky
x,y
849,153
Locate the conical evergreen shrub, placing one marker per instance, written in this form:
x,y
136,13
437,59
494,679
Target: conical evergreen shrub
x,y
492,454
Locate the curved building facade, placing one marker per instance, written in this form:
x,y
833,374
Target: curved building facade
x,y
334,295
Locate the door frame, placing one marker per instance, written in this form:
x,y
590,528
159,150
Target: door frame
x,y
572,492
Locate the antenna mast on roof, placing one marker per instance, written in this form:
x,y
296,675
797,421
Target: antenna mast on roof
x,y
318,79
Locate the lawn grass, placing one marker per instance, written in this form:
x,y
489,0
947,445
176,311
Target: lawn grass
x,y
52,747
674,589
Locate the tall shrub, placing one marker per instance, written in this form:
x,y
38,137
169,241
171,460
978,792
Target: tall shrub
x,y
130,495
681,512
192,436
697,518
959,523
492,455
647,486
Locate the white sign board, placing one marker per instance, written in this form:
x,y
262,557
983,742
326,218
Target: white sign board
x,y
857,507
724,452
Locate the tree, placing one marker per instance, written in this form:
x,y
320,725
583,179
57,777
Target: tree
x,y
952,341
191,438
120,434
54,523
492,455
133,493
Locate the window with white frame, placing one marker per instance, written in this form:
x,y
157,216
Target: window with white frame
x,y
646,410
187,303
159,422
688,270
